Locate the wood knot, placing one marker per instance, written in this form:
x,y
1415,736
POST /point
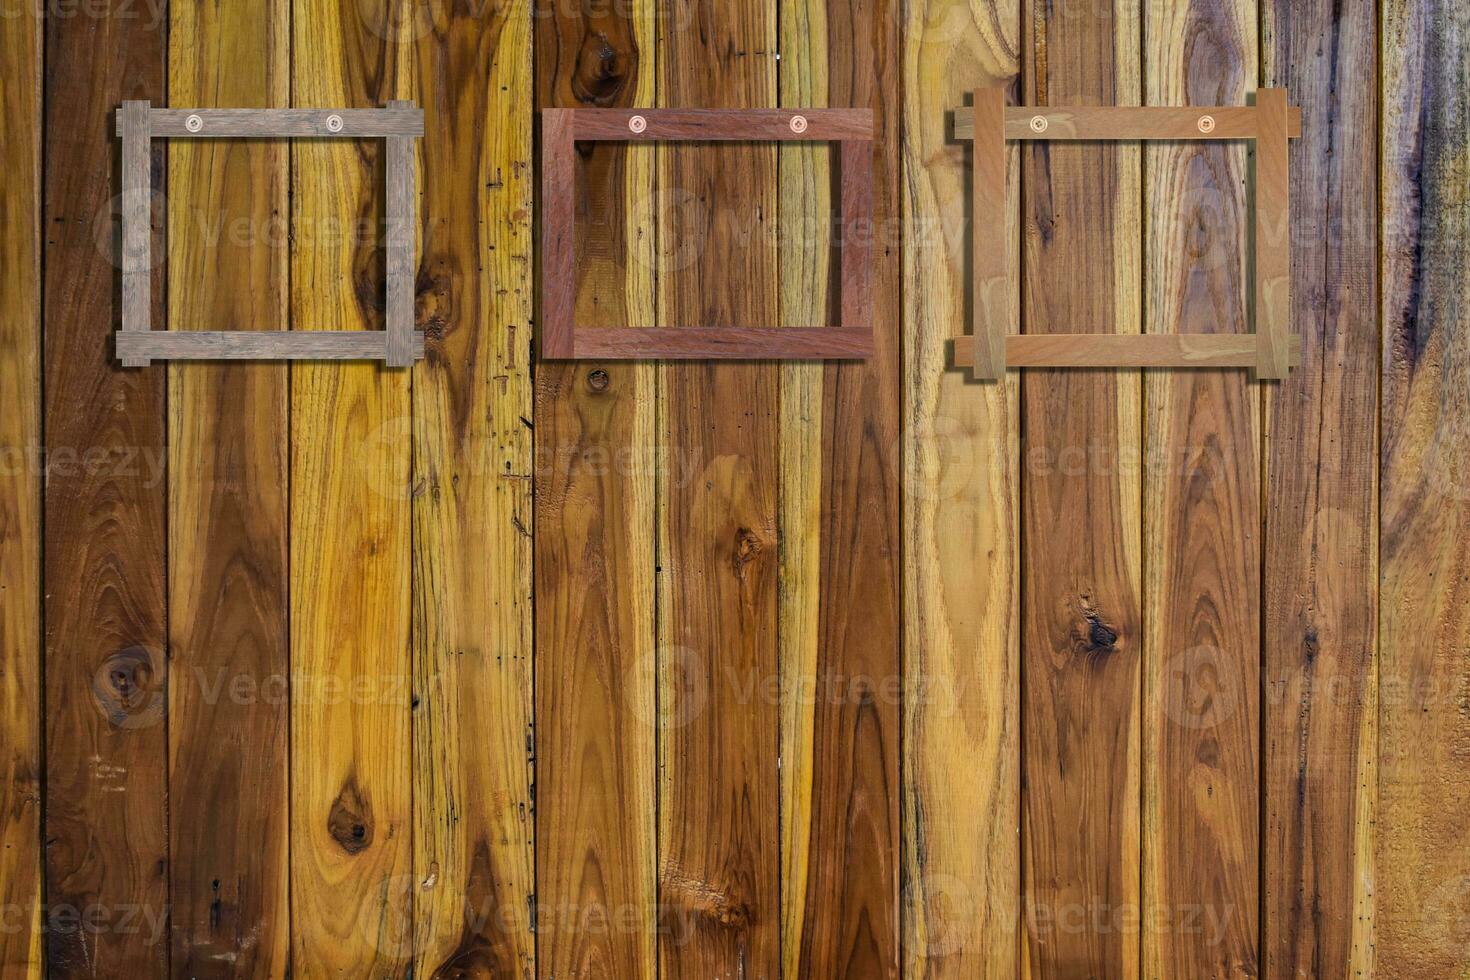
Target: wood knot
x,y
350,821
748,547
598,381
125,687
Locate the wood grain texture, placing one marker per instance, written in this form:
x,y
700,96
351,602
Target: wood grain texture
x,y
1320,603
846,920
1423,850
103,566
135,170
401,204
472,624
961,719
20,494
596,467
725,343
229,644
719,791
1202,536
352,883
1081,625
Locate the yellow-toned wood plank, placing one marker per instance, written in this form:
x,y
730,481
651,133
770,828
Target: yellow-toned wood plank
x,y
1422,877
352,886
804,218
20,493
1202,653
473,813
961,734
596,461
228,447
1321,506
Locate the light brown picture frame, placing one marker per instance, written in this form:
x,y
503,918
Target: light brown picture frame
x,y
991,349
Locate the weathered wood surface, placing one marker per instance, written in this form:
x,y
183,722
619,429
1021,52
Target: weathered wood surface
x,y
596,468
473,829
405,120
104,552
228,450
725,343
1202,487
352,877
1320,602
213,345
20,494
961,759
719,788
1422,872
1081,625
1271,258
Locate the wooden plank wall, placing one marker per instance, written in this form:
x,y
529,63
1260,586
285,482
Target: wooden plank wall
x,y
329,670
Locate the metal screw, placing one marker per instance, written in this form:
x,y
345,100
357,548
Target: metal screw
x,y
334,123
1038,124
193,123
637,124
1206,124
798,124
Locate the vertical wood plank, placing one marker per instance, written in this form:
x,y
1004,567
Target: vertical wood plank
x,y
20,493
961,717
103,566
992,299
1081,628
1423,821
1272,244
719,860
351,432
1321,560
596,664
228,630
474,864
1202,651
840,913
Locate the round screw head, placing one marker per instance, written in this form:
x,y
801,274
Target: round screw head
x,y
193,123
1206,124
1038,124
334,123
798,124
637,124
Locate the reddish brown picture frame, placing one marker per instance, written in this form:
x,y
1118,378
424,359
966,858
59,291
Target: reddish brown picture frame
x,y
562,129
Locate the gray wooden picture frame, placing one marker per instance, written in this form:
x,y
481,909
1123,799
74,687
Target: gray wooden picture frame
x,y
397,345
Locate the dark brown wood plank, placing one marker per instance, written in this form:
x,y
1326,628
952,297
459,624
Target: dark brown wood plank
x,y
1422,874
719,790
848,924
1321,560
106,784
596,665
473,841
20,493
1081,630
228,445
1202,472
